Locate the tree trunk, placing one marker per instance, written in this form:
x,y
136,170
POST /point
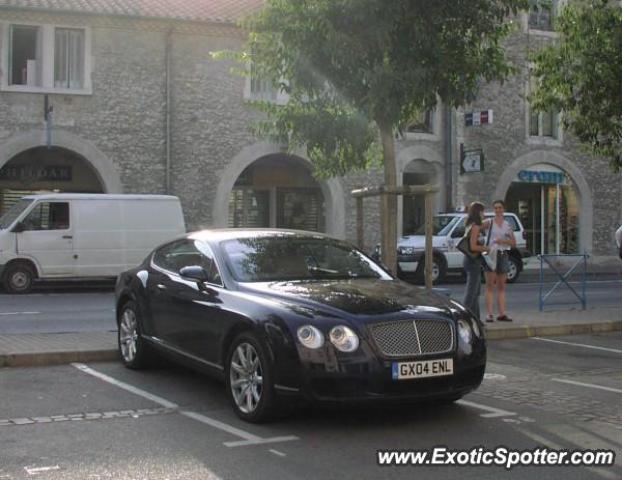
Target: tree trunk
x,y
388,214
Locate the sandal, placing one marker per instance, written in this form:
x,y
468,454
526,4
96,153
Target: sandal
x,y
490,318
503,318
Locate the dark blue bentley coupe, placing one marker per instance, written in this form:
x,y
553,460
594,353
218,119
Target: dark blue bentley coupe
x,y
281,313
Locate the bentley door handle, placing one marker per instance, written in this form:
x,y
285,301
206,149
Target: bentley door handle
x,y
161,287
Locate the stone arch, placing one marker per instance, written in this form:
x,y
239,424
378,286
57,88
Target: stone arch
x,y
102,165
332,190
422,158
586,204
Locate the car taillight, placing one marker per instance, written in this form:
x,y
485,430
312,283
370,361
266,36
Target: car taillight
x,y
524,234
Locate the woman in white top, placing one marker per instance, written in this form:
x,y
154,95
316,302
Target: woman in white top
x,y
501,238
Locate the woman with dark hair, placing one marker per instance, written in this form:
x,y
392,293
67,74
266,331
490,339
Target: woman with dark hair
x,y
501,238
473,266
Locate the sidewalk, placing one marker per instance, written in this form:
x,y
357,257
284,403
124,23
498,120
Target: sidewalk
x,y
23,350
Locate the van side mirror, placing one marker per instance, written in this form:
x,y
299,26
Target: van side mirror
x,y
195,272
19,228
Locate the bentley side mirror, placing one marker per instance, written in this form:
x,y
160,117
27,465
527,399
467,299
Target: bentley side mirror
x,y
19,228
195,272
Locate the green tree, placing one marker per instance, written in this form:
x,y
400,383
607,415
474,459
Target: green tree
x,y
355,70
581,73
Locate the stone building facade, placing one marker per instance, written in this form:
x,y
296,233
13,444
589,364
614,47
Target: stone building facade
x,y
140,106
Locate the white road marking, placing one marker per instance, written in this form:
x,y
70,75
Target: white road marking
x,y
125,386
276,452
261,441
494,412
38,470
494,376
222,426
587,385
248,438
20,313
582,345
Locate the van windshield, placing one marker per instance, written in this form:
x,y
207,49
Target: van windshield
x,y
15,211
441,225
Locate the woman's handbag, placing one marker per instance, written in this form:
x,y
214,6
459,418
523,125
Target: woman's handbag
x,y
464,245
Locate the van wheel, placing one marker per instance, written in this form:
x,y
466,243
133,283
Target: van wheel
x,y
439,270
513,269
18,278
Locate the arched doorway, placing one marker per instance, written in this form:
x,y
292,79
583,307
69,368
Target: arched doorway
x,y
535,177
546,200
278,191
42,169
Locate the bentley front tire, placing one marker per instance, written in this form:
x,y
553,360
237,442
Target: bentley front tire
x,y
132,348
249,379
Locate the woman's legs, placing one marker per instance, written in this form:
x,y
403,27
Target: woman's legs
x,y
473,285
491,278
501,279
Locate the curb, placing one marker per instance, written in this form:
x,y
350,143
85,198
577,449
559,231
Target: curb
x,y
42,359
526,331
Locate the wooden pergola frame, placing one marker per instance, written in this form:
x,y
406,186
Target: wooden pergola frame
x,y
406,190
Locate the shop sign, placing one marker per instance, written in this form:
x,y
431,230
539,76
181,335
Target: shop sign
x,y
472,161
541,176
28,173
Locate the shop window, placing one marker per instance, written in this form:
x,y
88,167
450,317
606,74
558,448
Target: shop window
x,y
300,209
249,208
25,55
48,216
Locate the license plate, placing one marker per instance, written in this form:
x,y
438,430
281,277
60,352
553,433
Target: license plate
x,y
422,369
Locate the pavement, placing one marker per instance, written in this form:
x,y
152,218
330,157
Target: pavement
x,y
41,349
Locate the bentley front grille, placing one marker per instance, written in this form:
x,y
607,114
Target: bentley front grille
x,y
404,338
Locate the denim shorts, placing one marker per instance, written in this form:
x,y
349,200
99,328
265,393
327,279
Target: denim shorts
x,y
503,264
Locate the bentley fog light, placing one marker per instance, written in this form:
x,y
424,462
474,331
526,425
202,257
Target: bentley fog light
x,y
476,329
310,336
344,339
464,331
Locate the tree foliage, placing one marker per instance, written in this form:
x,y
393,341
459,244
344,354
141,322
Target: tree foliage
x,y
356,70
581,75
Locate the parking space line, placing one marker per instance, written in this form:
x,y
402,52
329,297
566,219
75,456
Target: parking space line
x,y
222,426
582,345
19,313
248,438
587,385
125,386
276,452
494,412
261,441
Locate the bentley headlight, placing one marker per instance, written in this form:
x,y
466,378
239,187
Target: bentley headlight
x,y
344,339
464,331
310,336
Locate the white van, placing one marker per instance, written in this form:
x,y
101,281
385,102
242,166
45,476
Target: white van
x,y
448,228
82,235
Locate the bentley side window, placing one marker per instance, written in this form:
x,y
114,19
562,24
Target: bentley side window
x,y
187,253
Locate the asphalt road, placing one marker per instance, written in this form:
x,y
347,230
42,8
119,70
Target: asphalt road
x,y
74,424
90,307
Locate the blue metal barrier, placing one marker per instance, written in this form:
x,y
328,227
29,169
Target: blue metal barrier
x,y
563,278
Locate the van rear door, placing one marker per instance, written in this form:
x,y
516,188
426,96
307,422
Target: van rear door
x,y
47,238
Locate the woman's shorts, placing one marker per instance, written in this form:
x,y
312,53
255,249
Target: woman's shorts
x,y
503,263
